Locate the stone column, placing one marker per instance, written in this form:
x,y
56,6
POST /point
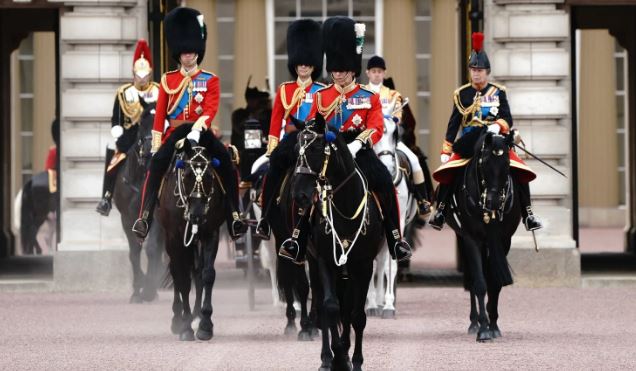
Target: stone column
x,y
97,40
250,47
399,47
598,177
43,98
529,47
444,73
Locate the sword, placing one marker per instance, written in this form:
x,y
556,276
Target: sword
x,y
538,159
401,107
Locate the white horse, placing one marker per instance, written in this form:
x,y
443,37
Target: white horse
x,y
381,300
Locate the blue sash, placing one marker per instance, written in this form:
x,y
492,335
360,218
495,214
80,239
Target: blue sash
x,y
199,84
336,120
305,107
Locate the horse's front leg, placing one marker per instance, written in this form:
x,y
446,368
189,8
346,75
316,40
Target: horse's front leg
x,y
362,276
493,309
134,255
331,318
371,306
478,285
390,272
210,249
154,249
302,291
474,325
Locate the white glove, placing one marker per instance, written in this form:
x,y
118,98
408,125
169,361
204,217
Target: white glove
x,y
444,158
354,147
494,128
116,131
194,135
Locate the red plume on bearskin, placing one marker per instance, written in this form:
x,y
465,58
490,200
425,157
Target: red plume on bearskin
x,y
478,41
143,50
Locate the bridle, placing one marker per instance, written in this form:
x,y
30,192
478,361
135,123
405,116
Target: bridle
x,y
199,166
505,194
326,193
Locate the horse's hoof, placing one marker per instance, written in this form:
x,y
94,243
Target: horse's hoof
x,y
290,329
314,332
472,329
484,336
495,332
388,314
304,335
373,312
187,335
149,295
357,367
324,368
136,299
204,334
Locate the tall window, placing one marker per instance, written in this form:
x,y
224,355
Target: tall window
x,y
225,31
286,11
620,56
423,61
25,124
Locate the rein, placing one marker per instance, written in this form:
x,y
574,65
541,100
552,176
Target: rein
x,y
326,192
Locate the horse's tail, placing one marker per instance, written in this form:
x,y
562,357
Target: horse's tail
x,y
27,219
497,263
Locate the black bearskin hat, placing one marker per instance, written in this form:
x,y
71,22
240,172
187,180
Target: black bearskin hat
x,y
343,40
478,57
304,46
376,62
185,32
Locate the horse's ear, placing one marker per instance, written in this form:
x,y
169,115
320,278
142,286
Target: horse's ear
x,y
299,124
510,138
488,139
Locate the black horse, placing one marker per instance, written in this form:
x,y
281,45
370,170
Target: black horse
x,y
127,198
191,210
292,278
484,212
347,235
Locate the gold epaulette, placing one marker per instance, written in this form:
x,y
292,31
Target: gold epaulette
x,y
325,87
458,103
498,86
363,87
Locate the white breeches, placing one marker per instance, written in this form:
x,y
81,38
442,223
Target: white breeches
x,y
418,174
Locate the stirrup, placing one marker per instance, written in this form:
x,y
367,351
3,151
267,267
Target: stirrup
x,y
531,222
437,220
104,206
263,230
290,250
402,250
238,228
423,207
141,228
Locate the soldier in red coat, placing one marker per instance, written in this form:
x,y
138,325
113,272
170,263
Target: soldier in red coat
x,y
293,99
187,95
347,106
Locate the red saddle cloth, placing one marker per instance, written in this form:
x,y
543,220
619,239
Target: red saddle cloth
x,y
446,172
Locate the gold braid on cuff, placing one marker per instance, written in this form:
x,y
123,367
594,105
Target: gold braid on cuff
x,y
156,141
365,137
447,147
272,142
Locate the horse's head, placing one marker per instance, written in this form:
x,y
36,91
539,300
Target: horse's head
x,y
144,134
318,147
195,182
493,167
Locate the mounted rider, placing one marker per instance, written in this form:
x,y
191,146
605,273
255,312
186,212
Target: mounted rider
x,y
293,99
348,107
126,115
188,95
392,103
478,104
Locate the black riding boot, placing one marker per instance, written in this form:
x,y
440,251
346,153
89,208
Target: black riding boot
x,y
271,184
149,196
437,220
398,247
236,227
531,221
295,248
423,205
110,177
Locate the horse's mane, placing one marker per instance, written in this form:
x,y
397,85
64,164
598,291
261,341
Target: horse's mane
x,y
467,144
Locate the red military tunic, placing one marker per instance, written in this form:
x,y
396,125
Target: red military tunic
x,y
351,108
193,98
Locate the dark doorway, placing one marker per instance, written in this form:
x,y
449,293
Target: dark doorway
x,y
618,21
